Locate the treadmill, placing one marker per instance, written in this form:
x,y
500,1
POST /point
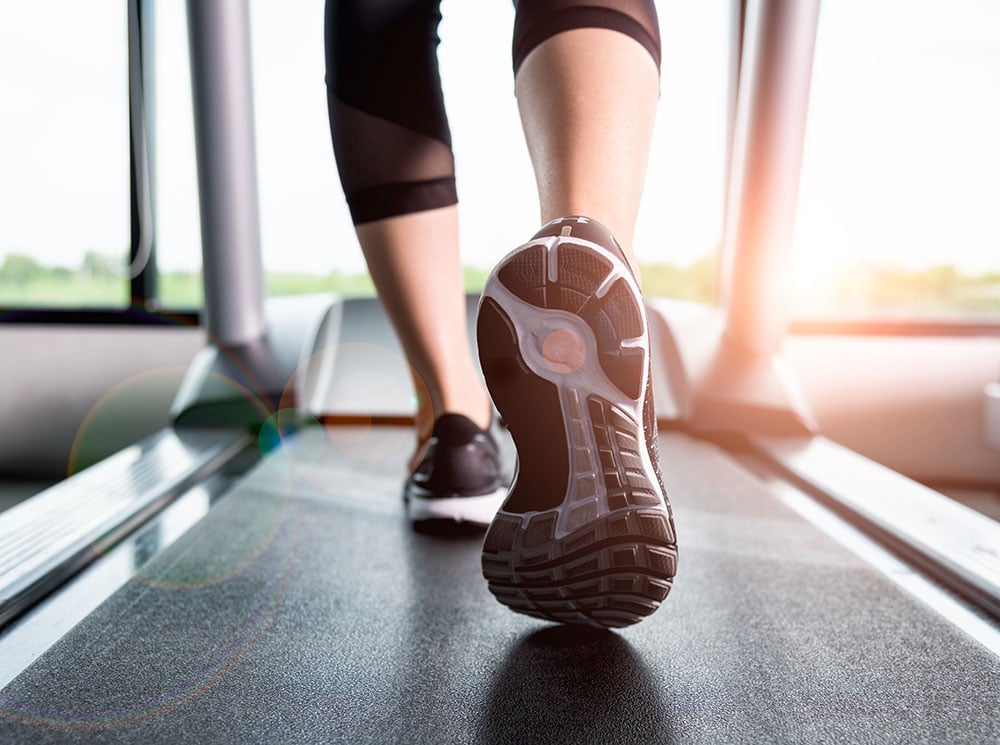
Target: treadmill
x,y
248,574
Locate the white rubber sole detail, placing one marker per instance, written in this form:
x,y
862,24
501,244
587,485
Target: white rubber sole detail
x,y
479,510
534,325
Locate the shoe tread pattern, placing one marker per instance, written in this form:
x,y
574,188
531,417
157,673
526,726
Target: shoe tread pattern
x,y
616,563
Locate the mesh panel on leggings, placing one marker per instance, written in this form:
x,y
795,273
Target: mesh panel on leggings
x,y
536,21
387,118
387,169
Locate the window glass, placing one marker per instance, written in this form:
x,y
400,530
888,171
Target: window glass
x,y
307,238
77,253
897,213
64,159
679,231
175,179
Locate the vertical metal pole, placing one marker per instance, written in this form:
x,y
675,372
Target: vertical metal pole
x,y
142,255
737,29
222,87
767,155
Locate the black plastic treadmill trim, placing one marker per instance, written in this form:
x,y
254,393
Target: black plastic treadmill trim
x,y
135,315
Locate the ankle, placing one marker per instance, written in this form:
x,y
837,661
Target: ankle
x,y
477,408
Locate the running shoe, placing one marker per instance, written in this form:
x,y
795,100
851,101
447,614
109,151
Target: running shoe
x,y
460,478
586,534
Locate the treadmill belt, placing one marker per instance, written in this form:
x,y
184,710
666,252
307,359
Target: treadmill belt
x,y
303,608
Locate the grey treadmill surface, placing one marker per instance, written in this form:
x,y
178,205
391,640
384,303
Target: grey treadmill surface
x,y
303,608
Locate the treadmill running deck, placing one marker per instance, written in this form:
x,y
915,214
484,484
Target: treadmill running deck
x,y
304,608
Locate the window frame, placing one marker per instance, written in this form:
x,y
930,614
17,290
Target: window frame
x,y
143,309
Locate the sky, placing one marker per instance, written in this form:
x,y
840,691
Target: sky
x,y
899,166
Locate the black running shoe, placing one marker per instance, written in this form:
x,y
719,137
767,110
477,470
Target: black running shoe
x,y
459,478
586,534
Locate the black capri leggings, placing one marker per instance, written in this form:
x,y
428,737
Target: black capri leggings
x,y
387,117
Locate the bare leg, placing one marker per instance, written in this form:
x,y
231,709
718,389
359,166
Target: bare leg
x,y
414,262
587,99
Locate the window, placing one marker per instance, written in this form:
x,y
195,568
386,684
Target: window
x,y
897,214
64,157
679,232
175,176
64,152
307,238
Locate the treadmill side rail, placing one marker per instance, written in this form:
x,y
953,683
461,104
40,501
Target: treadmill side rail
x,y
48,538
957,545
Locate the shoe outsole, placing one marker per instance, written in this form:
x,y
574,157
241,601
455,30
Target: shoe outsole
x,y
585,535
